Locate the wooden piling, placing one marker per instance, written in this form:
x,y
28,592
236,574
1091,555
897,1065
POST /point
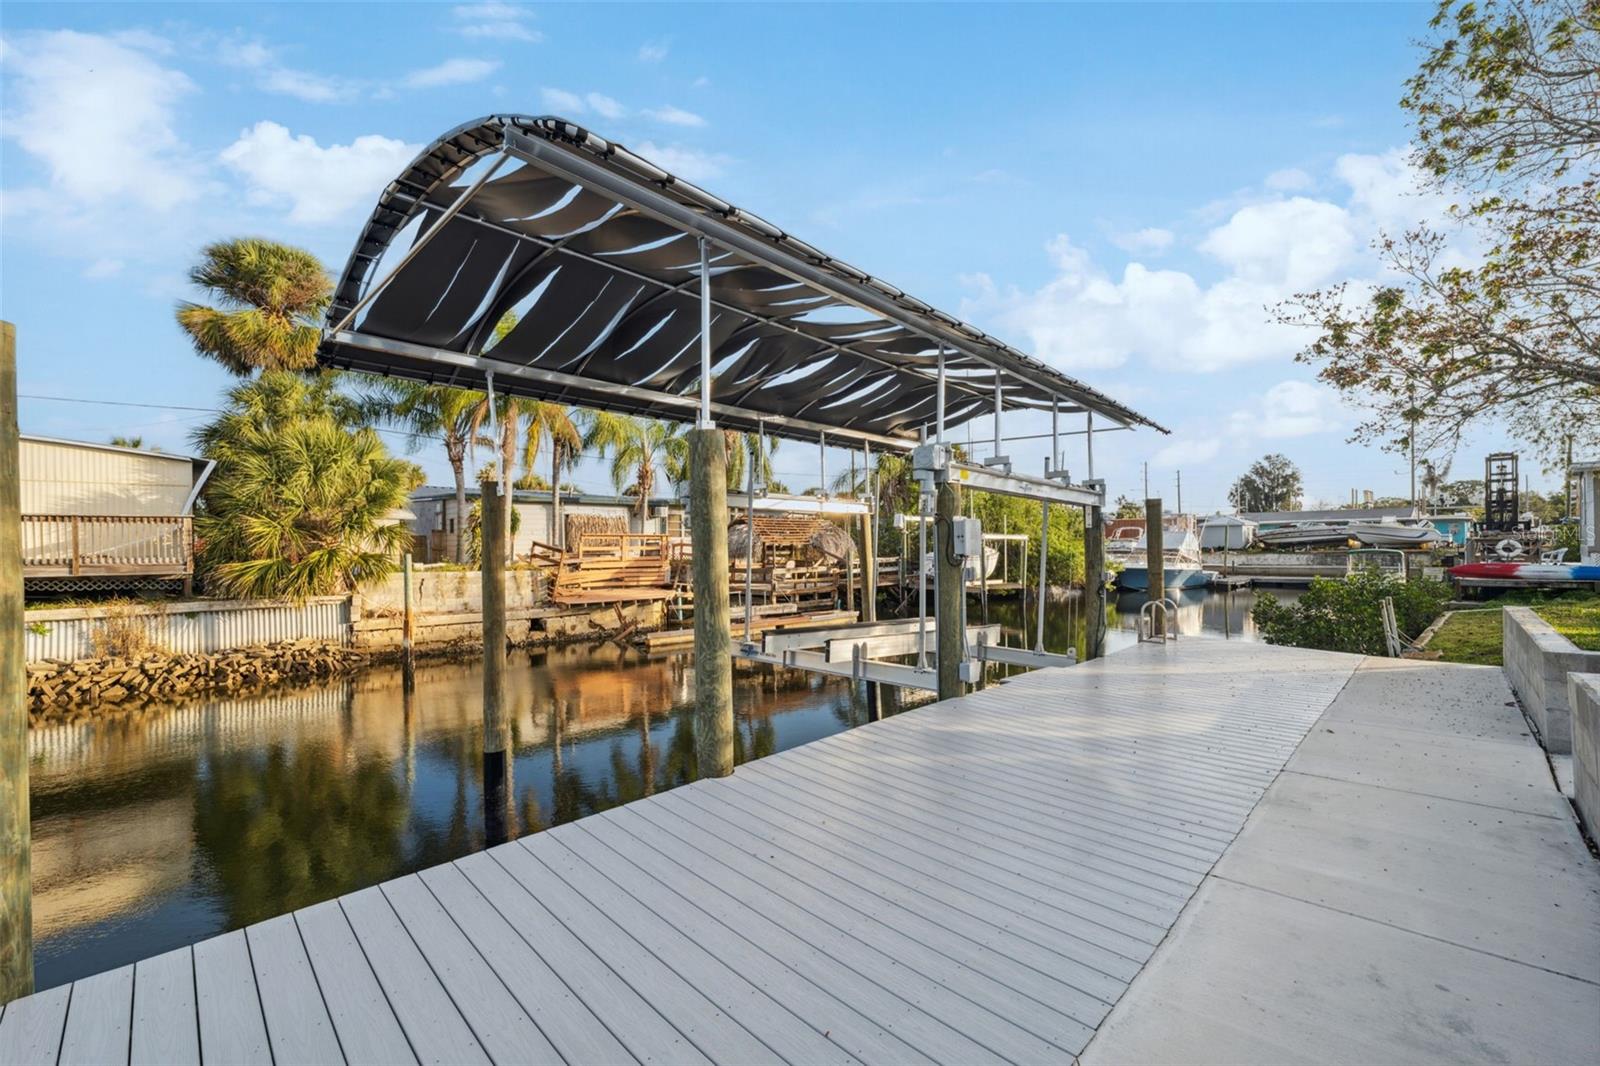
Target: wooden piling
x,y
16,889
713,643
951,593
496,722
1094,582
1155,562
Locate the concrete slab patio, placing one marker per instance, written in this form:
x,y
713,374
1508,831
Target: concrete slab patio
x,y
1412,888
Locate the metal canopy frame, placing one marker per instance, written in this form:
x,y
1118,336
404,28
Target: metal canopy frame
x,y
620,221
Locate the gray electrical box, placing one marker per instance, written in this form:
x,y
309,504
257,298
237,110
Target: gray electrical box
x,y
966,538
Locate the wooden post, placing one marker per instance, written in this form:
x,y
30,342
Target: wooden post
x,y
1155,562
407,623
1094,581
496,723
951,593
713,641
16,888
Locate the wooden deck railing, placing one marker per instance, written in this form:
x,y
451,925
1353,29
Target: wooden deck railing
x,y
107,545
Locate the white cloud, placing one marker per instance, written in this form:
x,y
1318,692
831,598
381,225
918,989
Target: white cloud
x,y
1299,241
496,21
1290,409
319,184
562,101
451,72
675,116
103,268
701,82
1151,240
688,163
100,113
274,77
653,51
604,106
1291,179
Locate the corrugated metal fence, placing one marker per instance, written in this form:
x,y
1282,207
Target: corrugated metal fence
x,y
191,627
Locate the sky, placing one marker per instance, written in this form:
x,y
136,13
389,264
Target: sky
x,y
1120,190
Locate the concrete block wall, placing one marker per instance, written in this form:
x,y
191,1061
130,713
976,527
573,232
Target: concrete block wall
x,y
1583,694
1537,661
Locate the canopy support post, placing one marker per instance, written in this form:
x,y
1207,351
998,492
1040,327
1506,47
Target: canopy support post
x,y
869,542
705,336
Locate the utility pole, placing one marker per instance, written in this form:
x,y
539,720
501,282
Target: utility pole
x,y
16,884
1146,480
1180,491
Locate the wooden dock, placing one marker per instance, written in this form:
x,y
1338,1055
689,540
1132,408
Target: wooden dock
x,y
974,881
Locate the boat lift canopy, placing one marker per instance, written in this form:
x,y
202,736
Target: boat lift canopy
x,y
638,292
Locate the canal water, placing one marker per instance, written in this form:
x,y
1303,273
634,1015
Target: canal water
x,y
158,828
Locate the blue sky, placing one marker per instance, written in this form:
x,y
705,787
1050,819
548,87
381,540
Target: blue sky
x,y
1118,189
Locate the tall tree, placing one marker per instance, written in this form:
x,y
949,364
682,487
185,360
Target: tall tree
x,y
302,499
1506,110
439,411
271,299
640,451
553,426
1271,484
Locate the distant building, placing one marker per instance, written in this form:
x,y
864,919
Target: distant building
x,y
100,516
1226,532
437,525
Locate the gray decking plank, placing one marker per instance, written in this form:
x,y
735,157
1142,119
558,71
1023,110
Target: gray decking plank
x,y
99,1020
432,1021
502,1027
635,1021
780,973
773,1023
999,1017
937,832
1082,991
166,1029
968,1000
298,1026
232,1028
857,974
568,1022
965,858
363,1021
31,1028
907,910
696,1015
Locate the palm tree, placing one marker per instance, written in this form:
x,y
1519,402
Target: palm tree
x,y
272,298
440,411
739,448
301,500
556,425
639,449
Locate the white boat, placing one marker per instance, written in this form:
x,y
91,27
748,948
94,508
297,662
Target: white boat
x,y
1180,556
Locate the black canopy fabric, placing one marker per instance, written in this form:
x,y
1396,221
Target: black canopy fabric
x,y
598,253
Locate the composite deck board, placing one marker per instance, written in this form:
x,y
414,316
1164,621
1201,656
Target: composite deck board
x,y
298,1026
166,1030
977,880
99,1020
232,1028
363,1021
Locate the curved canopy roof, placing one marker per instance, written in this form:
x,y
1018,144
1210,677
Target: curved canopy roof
x,y
597,252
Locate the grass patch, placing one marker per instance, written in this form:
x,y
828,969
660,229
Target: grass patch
x,y
1471,636
1474,635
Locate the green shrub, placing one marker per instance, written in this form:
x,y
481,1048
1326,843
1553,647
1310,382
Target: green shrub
x,y
1346,614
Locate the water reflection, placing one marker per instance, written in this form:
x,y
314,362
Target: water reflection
x,y
159,828
1221,613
